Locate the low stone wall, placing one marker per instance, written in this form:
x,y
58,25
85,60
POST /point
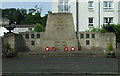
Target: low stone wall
x,y
96,40
32,41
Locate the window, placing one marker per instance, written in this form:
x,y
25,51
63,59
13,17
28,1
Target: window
x,y
29,28
63,6
90,21
66,7
93,35
27,36
90,5
60,7
108,5
32,42
87,35
106,20
81,35
38,35
32,36
87,42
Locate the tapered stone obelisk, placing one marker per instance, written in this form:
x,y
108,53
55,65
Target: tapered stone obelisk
x,y
60,32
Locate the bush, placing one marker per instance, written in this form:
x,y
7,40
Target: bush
x,y
39,28
95,29
110,47
103,30
8,46
116,28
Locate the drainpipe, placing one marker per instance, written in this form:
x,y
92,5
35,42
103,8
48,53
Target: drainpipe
x,y
77,23
99,13
77,16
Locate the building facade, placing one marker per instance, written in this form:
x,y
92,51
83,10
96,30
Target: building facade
x,y
23,28
89,13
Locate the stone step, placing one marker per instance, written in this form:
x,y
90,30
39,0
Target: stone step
x,y
44,54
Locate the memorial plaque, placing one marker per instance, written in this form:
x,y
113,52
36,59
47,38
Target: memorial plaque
x,y
60,32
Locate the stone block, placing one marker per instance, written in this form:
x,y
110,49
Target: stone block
x,y
60,32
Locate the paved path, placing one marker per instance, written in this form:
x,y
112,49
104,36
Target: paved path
x,y
59,64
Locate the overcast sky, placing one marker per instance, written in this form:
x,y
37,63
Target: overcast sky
x,y
45,5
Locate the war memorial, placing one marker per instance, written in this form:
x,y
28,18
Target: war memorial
x,y
60,39
59,36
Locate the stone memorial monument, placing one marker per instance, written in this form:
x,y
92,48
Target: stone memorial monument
x,y
60,32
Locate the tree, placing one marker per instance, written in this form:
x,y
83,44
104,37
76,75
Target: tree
x,y
20,16
39,10
116,28
14,15
23,14
39,28
43,20
32,10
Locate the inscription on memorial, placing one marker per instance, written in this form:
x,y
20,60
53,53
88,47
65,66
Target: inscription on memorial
x,y
60,43
59,25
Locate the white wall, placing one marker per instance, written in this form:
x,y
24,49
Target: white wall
x,y
2,30
119,12
18,30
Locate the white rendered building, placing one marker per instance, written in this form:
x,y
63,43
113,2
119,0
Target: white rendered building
x,y
3,22
23,28
89,13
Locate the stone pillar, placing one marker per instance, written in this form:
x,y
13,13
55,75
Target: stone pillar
x,y
60,32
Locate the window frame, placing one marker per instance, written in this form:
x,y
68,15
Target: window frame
x,y
108,5
60,6
63,6
87,35
91,8
27,37
32,36
89,23
81,35
66,6
108,20
87,44
38,37
32,42
93,36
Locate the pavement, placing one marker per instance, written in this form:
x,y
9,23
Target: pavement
x,y
53,63
60,65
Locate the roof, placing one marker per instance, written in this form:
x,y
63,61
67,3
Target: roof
x,y
4,19
24,26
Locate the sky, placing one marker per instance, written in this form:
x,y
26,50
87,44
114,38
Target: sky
x,y
45,5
